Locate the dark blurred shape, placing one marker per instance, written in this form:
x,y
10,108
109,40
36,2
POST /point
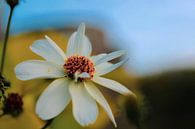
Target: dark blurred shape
x,y
12,3
171,99
4,82
13,104
133,111
128,116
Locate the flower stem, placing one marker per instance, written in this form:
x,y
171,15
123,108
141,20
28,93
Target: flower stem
x,y
6,40
47,124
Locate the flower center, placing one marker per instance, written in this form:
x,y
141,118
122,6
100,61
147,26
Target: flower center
x,y
77,65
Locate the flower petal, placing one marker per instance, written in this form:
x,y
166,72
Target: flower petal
x,y
101,67
53,100
83,75
110,56
111,84
97,57
85,109
105,68
34,69
78,75
48,49
97,95
79,43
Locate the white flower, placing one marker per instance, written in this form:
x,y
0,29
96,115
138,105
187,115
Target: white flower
x,y
75,73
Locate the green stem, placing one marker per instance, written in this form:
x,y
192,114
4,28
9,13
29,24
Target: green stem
x,y
47,124
5,41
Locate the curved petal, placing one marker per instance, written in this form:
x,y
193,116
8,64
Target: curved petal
x,y
97,57
82,75
34,69
102,67
78,43
53,100
105,68
110,56
85,109
48,49
111,84
97,95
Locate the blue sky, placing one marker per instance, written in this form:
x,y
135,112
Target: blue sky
x,y
159,34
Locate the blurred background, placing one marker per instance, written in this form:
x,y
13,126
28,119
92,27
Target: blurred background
x,y
159,36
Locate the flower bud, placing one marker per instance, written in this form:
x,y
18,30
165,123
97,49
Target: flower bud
x,y
12,3
13,104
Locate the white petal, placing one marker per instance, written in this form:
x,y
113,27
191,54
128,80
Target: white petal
x,y
53,100
101,67
85,109
78,75
78,43
105,68
34,69
48,49
97,57
84,75
111,84
97,95
110,56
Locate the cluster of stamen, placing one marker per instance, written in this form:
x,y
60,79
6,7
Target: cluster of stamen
x,y
79,64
